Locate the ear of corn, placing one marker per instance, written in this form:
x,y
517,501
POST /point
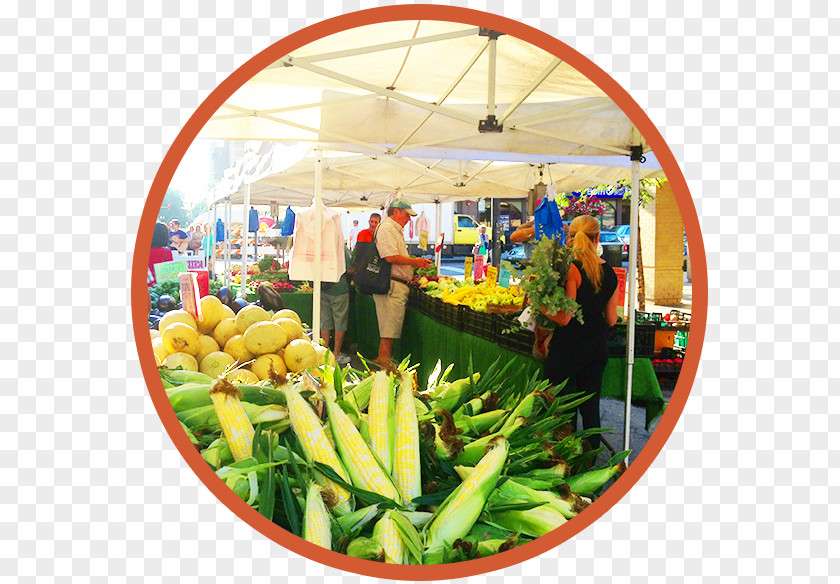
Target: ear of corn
x,y
363,468
381,419
480,423
473,451
589,483
192,395
232,417
359,396
386,533
534,522
317,447
205,418
366,549
456,516
352,523
407,452
568,506
452,396
316,519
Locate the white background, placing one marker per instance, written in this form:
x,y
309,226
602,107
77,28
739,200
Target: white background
x,y
91,98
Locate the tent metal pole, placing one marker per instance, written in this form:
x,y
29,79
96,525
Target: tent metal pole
x,y
211,260
377,48
438,229
243,248
228,213
491,80
631,286
316,284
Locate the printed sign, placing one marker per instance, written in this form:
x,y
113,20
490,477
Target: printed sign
x,y
492,272
194,263
621,274
504,277
168,271
478,267
190,294
424,239
468,267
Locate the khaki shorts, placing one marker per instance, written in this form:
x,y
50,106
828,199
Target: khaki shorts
x,y
334,312
390,310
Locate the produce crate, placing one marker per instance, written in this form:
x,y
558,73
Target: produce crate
x,y
414,294
648,318
521,341
479,324
681,317
645,340
429,305
450,314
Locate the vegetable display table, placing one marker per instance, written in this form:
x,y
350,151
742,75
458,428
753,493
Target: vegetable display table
x,y
427,341
300,302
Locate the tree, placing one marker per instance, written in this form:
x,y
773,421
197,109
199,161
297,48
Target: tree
x,y
198,209
173,208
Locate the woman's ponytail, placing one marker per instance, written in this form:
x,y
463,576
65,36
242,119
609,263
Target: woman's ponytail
x,y
584,231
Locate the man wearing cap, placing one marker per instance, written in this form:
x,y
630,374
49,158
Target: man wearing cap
x,y
390,307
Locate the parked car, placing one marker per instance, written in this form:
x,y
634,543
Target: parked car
x,y
623,232
518,254
615,250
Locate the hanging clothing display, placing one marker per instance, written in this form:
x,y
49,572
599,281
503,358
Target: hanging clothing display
x,y
303,261
220,230
287,227
253,220
422,224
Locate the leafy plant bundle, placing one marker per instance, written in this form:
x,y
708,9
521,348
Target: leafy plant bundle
x,y
544,280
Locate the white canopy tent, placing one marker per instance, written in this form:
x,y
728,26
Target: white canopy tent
x,y
417,95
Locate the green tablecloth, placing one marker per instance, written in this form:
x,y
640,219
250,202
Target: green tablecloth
x,y
427,341
300,302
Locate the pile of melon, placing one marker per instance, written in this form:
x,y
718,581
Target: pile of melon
x,y
245,346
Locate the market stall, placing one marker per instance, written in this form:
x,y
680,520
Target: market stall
x,y
372,91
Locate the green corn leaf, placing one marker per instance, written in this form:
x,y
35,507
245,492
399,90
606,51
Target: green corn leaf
x,y
290,504
366,497
267,494
514,506
409,535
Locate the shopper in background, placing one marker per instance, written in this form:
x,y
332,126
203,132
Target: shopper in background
x,y
390,307
159,251
354,233
578,352
335,310
367,234
373,223
482,246
178,238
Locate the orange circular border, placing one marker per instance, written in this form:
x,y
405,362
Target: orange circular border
x,y
139,291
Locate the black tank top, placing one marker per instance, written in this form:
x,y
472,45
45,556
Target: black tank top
x,y
593,305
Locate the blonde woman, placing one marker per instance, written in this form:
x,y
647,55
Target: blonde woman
x,y
578,352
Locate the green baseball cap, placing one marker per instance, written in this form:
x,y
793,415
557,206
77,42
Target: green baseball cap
x,y
402,203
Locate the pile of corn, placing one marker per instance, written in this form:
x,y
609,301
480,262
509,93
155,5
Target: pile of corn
x,y
373,466
480,297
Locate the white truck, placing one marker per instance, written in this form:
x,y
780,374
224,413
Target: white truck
x,y
460,232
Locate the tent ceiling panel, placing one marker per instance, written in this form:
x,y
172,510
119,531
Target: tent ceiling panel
x,y
342,97
285,174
